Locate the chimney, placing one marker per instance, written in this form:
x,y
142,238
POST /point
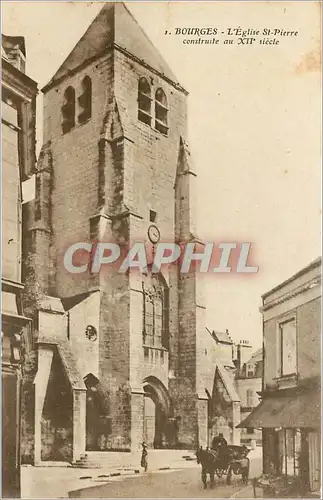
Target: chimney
x,y
244,349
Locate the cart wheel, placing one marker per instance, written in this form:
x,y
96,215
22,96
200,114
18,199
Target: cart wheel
x,y
229,476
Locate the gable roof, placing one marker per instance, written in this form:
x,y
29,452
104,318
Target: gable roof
x,y
220,337
113,26
227,382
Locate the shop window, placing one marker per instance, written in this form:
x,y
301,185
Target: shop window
x,y
85,100
144,101
161,111
290,451
288,349
68,110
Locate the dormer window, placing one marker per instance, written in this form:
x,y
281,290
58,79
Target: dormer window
x,y
68,110
250,370
144,101
85,100
161,111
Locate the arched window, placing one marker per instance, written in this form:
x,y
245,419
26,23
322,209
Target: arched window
x,y
155,311
144,101
85,100
68,110
161,111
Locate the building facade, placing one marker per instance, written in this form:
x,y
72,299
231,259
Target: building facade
x,y
248,381
18,160
223,401
290,409
119,357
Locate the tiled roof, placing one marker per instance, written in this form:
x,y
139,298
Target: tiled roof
x,y
64,350
228,382
222,337
69,302
69,362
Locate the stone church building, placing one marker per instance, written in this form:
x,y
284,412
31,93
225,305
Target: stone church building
x,y
117,358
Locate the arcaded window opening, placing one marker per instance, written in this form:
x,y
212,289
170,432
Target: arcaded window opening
x,y
85,100
144,101
68,110
161,111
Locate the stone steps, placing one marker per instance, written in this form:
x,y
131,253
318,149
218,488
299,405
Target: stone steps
x,y
86,463
157,459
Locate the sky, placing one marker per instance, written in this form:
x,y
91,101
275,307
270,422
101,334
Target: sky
x,y
254,116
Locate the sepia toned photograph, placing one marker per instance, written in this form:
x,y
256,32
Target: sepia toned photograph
x,y
161,249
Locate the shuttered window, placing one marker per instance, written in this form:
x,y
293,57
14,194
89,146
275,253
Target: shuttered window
x,y
11,194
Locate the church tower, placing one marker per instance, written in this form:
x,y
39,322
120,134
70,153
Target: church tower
x,y
116,168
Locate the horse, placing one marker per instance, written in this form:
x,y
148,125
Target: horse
x,y
230,460
209,460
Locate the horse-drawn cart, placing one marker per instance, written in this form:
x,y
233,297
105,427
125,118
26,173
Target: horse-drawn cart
x,y
228,460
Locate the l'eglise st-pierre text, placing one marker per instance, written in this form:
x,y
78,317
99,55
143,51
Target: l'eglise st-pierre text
x,y
235,32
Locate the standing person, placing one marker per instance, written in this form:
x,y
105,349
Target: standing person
x,y
245,465
144,455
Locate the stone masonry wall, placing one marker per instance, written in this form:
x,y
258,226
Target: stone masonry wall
x,y
75,167
142,166
150,172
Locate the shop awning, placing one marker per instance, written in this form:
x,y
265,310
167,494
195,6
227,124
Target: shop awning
x,y
301,410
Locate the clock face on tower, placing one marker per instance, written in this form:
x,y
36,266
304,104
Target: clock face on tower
x,y
153,233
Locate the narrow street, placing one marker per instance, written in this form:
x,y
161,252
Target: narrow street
x,y
169,484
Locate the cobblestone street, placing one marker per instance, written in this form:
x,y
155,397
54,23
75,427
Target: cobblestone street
x,y
184,483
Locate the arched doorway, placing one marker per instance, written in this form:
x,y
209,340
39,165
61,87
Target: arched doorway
x,y
156,413
98,420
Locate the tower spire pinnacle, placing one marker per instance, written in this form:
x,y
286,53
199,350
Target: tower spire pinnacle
x,y
114,27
